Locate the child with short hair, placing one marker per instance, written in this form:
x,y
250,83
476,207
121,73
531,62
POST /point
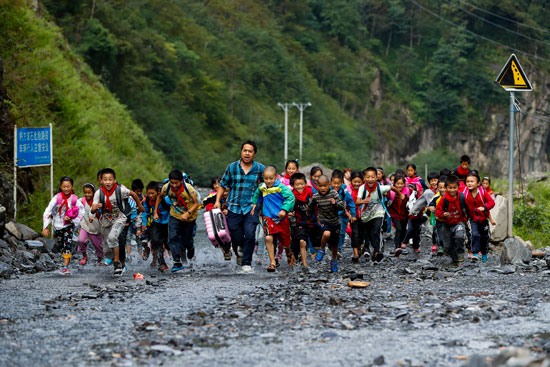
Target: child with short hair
x,y
291,167
328,204
398,213
437,240
347,215
417,210
155,230
453,212
306,228
356,178
412,178
112,199
132,233
278,201
371,197
315,173
209,201
64,212
90,228
183,214
479,204
462,171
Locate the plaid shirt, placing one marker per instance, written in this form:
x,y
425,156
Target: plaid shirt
x,y
241,186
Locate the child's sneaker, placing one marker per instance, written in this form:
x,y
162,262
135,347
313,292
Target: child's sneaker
x,y
475,257
484,258
378,256
460,258
320,254
227,256
403,245
434,249
470,254
100,262
118,269
177,267
417,250
108,261
397,252
65,271
163,267
84,259
145,254
334,266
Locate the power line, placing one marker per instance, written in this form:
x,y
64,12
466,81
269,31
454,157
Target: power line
x,y
476,34
497,25
504,18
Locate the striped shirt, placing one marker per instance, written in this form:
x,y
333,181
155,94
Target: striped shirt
x,y
241,186
326,211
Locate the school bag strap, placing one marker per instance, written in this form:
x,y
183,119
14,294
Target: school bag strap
x,y
59,199
462,201
382,201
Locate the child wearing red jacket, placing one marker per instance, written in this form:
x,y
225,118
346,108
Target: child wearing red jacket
x,y
453,212
399,214
479,203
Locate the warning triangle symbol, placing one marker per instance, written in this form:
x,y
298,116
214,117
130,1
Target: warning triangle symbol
x,y
512,77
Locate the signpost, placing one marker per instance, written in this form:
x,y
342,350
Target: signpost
x,y
512,79
32,147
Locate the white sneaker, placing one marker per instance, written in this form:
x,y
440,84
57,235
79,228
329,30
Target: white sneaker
x,y
247,269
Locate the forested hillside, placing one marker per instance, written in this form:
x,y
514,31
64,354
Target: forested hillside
x,y
45,82
389,81
200,76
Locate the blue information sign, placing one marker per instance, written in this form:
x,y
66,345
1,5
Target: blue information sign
x,y
33,147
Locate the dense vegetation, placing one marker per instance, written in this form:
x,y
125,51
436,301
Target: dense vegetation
x,y
201,76
47,83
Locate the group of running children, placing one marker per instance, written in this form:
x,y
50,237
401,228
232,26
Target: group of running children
x,y
297,215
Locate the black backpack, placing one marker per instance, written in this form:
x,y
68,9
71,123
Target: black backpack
x,y
123,205
463,207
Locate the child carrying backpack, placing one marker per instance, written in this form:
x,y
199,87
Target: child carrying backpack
x,y
64,212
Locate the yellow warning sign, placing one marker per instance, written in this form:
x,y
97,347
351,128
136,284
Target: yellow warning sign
x,y
512,77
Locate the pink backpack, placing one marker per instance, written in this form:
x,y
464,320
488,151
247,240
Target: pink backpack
x,y
59,199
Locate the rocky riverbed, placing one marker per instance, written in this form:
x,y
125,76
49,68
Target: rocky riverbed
x,y
415,311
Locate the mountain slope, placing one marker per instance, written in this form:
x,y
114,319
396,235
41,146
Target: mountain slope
x,y
46,82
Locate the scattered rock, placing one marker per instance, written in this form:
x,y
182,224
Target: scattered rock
x,y
358,284
49,244
33,244
21,231
515,253
12,229
5,270
379,361
538,254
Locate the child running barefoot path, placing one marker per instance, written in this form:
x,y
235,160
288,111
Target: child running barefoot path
x,y
328,205
64,212
112,199
277,201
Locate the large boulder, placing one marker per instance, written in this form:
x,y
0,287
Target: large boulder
x,y
500,216
21,231
515,253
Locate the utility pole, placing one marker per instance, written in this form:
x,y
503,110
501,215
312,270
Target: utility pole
x,y
513,79
302,107
285,107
